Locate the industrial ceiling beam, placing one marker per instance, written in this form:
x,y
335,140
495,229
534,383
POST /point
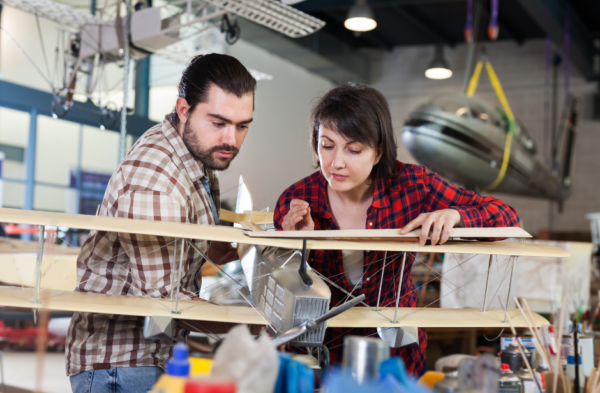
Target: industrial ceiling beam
x,y
334,5
425,27
549,16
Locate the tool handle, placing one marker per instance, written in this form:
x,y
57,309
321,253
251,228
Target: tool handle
x,y
340,309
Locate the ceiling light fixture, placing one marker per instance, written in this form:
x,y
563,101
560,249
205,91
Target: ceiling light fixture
x,y
438,68
360,17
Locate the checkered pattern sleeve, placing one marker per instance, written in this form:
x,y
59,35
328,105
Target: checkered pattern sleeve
x,y
476,210
150,257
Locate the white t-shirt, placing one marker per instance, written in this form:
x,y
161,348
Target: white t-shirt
x,y
353,265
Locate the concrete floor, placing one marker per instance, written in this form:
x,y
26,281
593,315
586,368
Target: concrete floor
x,y
20,370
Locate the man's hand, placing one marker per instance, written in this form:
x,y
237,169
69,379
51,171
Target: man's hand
x,y
222,252
441,220
298,218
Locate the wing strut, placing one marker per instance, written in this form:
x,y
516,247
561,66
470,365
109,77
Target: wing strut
x,y
38,265
399,289
512,273
486,284
175,309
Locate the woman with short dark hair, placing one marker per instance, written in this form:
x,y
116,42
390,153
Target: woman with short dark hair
x,y
360,184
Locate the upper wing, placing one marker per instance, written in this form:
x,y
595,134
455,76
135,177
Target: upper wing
x,y
56,12
201,311
235,235
390,233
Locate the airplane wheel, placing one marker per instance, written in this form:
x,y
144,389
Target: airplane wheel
x,y
232,30
324,362
108,115
60,105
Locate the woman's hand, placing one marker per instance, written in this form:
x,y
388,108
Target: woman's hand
x,y
298,218
441,220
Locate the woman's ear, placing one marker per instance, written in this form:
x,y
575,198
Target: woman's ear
x,y
183,111
379,155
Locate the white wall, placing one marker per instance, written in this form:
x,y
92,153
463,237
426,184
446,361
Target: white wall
x,y
521,70
275,153
57,140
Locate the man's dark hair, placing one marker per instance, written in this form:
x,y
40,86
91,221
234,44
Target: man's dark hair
x,y
204,70
358,113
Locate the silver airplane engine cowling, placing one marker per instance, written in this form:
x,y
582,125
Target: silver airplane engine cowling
x,y
280,294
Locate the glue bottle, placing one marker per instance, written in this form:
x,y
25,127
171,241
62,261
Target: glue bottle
x,y
177,372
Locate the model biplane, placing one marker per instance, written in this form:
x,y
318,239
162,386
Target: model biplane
x,y
282,291
86,43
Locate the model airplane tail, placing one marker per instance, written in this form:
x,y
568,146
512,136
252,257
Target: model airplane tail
x,y
462,138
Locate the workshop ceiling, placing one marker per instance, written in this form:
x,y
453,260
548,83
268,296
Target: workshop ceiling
x,y
423,22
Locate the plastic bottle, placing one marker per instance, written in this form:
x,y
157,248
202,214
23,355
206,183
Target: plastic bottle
x,y
508,382
571,369
177,372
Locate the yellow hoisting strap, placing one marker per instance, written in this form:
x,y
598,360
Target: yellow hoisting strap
x,y
473,82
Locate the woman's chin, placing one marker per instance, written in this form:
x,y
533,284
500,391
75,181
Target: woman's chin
x,y
341,186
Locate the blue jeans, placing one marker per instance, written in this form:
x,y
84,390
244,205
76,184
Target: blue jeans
x,y
116,380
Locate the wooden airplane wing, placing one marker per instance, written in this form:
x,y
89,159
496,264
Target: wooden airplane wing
x,y
200,311
236,235
365,234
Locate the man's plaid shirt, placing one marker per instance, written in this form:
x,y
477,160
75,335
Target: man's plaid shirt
x,y
396,202
159,180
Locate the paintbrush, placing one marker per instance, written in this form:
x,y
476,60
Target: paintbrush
x,y
558,367
514,332
537,341
539,337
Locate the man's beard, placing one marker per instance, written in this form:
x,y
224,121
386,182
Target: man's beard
x,y
205,155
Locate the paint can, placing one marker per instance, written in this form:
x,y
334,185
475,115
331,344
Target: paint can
x,y
449,384
527,343
508,382
512,356
362,356
529,385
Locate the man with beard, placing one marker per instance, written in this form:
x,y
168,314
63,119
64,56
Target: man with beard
x,y
168,175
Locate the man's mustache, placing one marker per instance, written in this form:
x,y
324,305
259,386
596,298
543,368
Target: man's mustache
x,y
225,147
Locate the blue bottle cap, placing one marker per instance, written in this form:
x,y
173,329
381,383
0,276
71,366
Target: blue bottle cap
x,y
178,365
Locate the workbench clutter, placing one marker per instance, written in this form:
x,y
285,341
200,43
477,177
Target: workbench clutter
x,y
557,359
243,364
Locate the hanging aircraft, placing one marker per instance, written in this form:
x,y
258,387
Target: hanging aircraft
x,y
283,293
86,43
463,139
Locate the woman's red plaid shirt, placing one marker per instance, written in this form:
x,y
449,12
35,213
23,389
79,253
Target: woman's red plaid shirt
x,y
396,202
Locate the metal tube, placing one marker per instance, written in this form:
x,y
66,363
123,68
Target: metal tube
x,y
179,278
126,82
486,283
512,273
381,281
399,289
38,265
175,272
